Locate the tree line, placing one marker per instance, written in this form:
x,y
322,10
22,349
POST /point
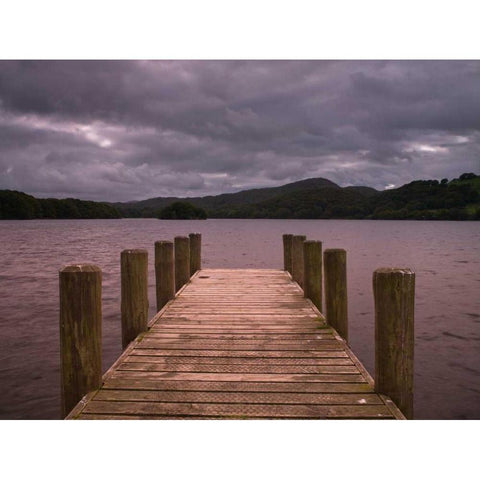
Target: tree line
x,y
20,206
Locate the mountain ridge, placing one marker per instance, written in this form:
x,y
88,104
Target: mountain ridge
x,y
233,200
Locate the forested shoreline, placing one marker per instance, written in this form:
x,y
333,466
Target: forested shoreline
x,y
20,206
457,199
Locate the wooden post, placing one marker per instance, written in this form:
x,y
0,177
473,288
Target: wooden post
x,y
195,252
336,299
287,252
182,262
394,294
164,273
80,332
297,258
312,259
134,294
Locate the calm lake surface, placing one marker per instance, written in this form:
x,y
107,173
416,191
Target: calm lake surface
x,y
444,255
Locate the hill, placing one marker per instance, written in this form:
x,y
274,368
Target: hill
x,y
222,202
458,199
418,200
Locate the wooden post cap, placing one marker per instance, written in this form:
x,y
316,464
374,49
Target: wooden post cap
x,y
80,268
134,251
396,271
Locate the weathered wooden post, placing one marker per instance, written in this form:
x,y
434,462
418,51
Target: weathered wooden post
x,y
312,259
195,252
182,262
336,299
287,252
297,258
80,332
164,273
394,294
134,294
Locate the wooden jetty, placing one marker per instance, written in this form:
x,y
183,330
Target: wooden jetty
x,y
237,343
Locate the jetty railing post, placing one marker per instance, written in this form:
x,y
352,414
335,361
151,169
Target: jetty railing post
x,y
336,299
297,258
195,252
287,252
164,273
312,257
182,262
80,332
134,294
394,294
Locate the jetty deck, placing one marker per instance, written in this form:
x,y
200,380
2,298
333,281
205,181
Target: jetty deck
x,y
237,344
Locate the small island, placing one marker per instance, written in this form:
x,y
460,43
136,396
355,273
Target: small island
x,y
182,211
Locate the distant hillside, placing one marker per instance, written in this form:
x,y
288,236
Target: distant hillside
x,y
418,200
20,206
223,202
458,199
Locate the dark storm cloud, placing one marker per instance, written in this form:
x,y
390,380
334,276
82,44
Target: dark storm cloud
x,y
128,130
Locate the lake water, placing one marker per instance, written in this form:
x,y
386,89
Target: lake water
x,y
444,255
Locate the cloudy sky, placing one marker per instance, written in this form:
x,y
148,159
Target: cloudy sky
x,y
119,131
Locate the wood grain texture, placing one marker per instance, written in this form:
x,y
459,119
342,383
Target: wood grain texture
x,y
336,300
195,252
297,258
312,272
134,294
238,344
182,261
164,273
80,332
394,294
287,252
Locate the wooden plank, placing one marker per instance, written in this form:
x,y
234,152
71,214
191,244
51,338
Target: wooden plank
x,y
213,344
239,397
152,345
239,353
126,382
263,369
244,377
238,360
246,336
99,416
234,410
